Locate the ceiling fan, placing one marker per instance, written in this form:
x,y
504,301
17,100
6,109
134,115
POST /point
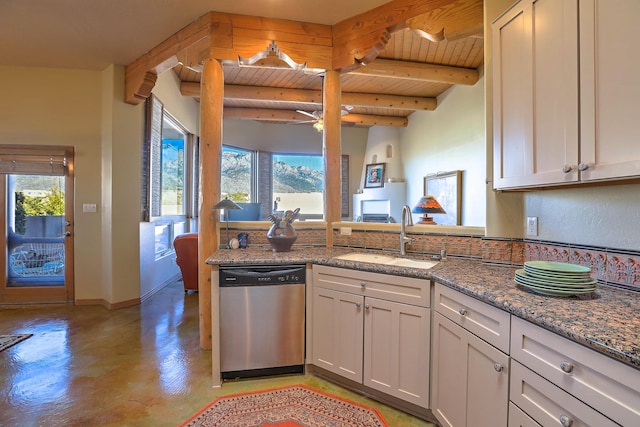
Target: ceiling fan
x,y
316,116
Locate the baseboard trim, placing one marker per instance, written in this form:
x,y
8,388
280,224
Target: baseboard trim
x,y
107,304
128,303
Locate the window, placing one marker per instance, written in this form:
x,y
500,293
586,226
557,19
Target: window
x,y
298,182
278,181
169,179
237,174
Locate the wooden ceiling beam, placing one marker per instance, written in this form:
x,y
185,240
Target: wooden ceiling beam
x,y
361,37
314,97
293,117
419,71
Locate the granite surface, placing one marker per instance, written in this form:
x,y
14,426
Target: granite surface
x,y
607,320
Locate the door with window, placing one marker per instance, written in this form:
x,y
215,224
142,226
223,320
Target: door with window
x,y
36,187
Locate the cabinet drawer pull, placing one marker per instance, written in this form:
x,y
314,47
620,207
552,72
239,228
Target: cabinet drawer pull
x,y
463,312
566,421
583,167
566,367
363,284
358,305
498,367
566,168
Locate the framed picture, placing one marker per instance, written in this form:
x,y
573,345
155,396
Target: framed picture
x,y
446,187
374,177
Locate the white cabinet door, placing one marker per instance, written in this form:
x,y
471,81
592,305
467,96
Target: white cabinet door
x,y
470,378
338,332
609,63
396,350
535,80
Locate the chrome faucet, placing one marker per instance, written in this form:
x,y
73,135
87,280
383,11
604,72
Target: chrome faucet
x,y
405,219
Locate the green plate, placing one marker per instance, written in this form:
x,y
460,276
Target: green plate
x,y
556,287
557,277
553,292
558,267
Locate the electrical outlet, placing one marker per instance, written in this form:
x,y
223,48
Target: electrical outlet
x,y
532,226
345,231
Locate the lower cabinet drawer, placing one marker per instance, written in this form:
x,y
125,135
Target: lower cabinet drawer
x,y
609,386
548,404
488,322
517,418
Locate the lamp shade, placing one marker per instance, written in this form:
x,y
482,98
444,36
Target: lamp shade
x,y
428,205
226,203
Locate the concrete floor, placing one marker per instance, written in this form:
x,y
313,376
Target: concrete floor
x,y
138,366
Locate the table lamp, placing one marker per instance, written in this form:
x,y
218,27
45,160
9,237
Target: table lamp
x,y
224,205
427,205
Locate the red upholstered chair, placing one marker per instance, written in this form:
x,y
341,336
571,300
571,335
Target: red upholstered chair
x,y
186,246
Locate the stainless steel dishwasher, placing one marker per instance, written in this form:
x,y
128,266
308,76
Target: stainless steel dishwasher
x,y
262,320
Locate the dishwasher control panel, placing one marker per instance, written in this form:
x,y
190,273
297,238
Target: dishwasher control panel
x,y
262,275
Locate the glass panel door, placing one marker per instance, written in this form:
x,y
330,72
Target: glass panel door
x,y
38,239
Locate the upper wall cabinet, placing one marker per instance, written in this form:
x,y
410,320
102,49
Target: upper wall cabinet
x,y
564,90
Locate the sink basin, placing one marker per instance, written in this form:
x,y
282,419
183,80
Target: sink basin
x,y
374,258
388,260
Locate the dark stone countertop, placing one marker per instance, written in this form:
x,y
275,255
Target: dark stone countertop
x,y
607,320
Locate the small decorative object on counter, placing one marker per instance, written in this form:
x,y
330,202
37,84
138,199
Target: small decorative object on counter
x,y
282,235
243,238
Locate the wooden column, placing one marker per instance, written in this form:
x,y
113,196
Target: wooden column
x,y
332,150
211,106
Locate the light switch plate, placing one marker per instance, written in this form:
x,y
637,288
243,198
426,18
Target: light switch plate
x,y
532,226
89,208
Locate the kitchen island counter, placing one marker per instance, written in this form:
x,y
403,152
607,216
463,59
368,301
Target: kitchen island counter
x,y
607,320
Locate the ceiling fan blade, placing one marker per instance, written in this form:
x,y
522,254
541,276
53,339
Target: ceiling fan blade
x,y
307,114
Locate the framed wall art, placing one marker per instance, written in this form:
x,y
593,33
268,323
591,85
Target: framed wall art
x,y
446,187
374,176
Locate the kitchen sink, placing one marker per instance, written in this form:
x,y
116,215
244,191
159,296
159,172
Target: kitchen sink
x,y
388,260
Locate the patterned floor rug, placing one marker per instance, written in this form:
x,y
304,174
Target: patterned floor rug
x,y
294,406
7,341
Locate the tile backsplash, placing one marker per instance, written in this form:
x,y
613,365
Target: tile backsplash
x,y
620,268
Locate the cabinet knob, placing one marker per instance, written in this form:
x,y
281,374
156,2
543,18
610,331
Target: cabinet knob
x,y
498,367
358,305
566,168
566,367
583,167
462,311
566,421
366,306
363,284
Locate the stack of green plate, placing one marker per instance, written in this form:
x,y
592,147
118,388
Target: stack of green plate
x,y
556,278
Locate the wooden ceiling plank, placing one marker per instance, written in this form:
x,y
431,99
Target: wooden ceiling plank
x,y
359,37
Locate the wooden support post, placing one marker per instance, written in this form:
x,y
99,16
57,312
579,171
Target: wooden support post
x,y
211,106
332,150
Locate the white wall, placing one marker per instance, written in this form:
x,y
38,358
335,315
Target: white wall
x,y
452,137
42,106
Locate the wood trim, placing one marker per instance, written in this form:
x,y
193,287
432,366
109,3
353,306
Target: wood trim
x,y
211,107
332,150
314,97
340,47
